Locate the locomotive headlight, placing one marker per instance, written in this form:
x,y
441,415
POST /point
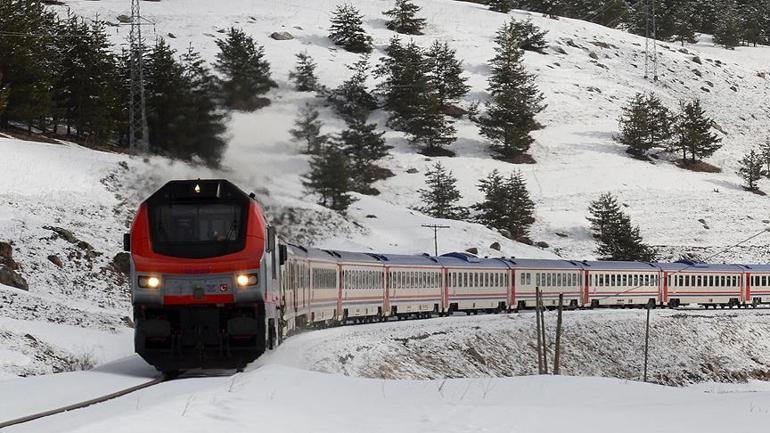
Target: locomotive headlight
x,y
147,282
244,280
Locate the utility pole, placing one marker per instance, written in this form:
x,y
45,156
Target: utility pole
x,y
435,228
139,134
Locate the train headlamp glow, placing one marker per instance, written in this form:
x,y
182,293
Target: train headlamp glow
x,y
244,280
197,188
147,282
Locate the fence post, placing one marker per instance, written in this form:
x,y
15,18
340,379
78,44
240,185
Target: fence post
x,y
539,334
542,329
646,342
557,354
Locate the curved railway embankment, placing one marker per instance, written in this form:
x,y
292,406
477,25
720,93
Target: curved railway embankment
x,y
686,346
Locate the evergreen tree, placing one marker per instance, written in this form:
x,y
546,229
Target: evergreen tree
x,y
4,91
307,130
205,123
405,83
645,123
86,90
428,126
27,60
765,155
441,197
507,205
364,146
503,6
403,18
445,73
693,133
753,23
729,29
641,18
246,71
751,170
685,22
616,237
329,178
352,99
347,30
510,115
303,76
528,36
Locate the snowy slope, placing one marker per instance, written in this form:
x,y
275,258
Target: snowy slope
x,y
274,397
93,194
577,159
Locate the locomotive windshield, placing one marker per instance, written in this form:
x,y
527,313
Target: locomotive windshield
x,y
197,229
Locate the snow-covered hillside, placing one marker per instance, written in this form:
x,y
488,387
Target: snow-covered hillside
x,y
586,75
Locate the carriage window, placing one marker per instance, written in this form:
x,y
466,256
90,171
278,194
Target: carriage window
x,y
764,281
537,279
529,278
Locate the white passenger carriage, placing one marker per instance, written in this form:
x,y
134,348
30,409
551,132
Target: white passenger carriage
x,y
475,284
295,287
696,283
757,287
621,283
414,284
323,280
363,285
553,277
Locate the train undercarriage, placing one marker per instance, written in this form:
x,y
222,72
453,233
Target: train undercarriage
x,y
206,336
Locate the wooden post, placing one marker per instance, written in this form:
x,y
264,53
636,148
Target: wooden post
x,y
557,353
646,342
539,334
542,329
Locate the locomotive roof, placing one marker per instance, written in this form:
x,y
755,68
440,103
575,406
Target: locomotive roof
x,y
194,189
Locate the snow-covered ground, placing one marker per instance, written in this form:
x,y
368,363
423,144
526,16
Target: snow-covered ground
x,y
274,396
93,194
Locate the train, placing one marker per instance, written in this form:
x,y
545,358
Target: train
x,y
213,287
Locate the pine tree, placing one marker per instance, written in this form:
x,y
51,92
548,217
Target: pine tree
x,y
445,73
617,238
765,155
685,22
86,90
441,197
405,81
308,130
503,6
4,91
507,205
403,18
751,170
428,126
204,123
693,133
352,99
729,28
645,123
165,89
753,23
303,76
27,60
364,146
510,115
329,178
528,36
603,212
246,71
347,30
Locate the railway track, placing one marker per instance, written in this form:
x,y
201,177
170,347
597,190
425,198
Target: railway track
x,y
82,404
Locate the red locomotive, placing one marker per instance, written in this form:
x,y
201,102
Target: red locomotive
x,y
203,267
